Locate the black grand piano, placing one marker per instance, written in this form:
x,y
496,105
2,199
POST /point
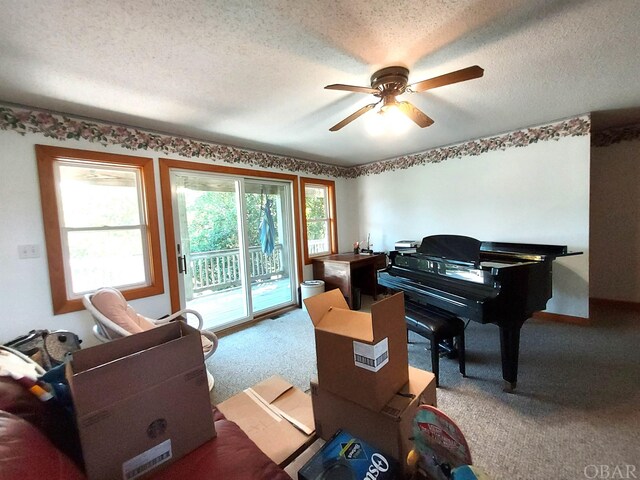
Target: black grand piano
x,y
487,282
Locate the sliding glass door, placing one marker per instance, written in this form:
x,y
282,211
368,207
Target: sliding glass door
x,y
234,245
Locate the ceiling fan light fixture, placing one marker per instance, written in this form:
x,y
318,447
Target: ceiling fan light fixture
x,y
389,103
389,121
388,83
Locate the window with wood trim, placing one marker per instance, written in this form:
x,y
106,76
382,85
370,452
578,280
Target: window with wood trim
x,y
101,224
320,236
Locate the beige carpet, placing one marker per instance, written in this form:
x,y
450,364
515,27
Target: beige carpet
x,y
577,405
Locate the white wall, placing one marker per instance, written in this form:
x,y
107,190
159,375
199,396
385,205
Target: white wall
x,y
25,299
615,221
533,194
25,296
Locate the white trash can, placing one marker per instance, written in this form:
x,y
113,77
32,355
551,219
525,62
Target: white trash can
x,y
309,289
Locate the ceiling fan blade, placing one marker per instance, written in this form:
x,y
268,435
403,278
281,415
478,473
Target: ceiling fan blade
x,y
352,117
414,114
468,73
352,88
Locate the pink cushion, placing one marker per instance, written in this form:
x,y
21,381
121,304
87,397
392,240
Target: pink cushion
x,y
112,304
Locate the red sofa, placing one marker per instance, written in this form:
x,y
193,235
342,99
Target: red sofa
x,y
38,441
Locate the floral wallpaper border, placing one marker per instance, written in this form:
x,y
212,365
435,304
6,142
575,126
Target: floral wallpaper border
x,y
573,127
61,127
610,136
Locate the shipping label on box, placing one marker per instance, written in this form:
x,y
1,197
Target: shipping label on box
x,y
140,401
371,357
360,356
146,461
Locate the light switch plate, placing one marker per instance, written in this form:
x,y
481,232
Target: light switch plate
x,y
28,251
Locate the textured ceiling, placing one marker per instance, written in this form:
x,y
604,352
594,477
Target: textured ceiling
x,y
251,74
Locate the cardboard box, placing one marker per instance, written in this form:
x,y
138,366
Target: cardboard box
x,y
362,357
274,414
389,429
140,401
347,456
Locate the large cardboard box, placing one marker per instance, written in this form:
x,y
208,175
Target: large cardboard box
x,y
274,414
389,429
140,401
361,356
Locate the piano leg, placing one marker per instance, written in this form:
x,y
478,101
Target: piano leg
x,y
510,349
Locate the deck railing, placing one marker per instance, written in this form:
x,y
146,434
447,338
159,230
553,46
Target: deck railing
x,y
220,269
317,246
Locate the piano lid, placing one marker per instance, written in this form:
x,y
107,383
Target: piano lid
x,y
524,251
468,250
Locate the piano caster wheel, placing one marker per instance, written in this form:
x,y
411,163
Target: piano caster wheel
x,y
509,387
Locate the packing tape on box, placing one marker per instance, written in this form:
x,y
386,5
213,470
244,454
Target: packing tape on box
x,y
277,413
262,404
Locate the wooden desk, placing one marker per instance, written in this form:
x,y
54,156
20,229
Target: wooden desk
x,y
348,271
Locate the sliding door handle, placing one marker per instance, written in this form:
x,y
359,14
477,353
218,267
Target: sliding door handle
x,y
182,264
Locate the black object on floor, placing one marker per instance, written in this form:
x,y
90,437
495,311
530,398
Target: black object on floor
x,y
438,327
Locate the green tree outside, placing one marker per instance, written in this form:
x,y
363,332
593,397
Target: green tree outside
x,y
315,209
213,220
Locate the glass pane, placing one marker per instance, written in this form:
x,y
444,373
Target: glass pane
x,y
97,197
106,258
212,218
269,252
316,202
317,237
208,212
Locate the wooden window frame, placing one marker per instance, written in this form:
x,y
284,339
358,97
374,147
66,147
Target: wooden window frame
x,y
46,157
333,225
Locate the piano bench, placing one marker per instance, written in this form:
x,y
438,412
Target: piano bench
x,y
437,327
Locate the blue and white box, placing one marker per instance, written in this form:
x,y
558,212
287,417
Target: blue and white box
x,y
345,457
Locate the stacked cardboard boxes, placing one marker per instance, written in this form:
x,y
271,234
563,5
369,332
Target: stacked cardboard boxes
x,y
388,429
365,385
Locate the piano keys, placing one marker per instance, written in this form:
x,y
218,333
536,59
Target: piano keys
x,y
486,282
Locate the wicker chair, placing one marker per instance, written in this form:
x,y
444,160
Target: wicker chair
x,y
115,318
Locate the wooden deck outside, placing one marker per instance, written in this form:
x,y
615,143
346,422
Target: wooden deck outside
x,y
226,308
